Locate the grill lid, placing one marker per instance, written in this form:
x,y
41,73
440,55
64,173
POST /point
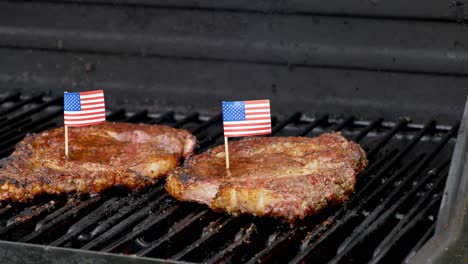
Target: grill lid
x,y
392,213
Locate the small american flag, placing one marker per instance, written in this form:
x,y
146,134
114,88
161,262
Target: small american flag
x,y
246,118
84,109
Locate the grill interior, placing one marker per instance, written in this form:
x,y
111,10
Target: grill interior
x,y
390,216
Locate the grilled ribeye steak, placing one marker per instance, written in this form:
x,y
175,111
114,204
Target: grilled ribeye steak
x,y
100,156
286,177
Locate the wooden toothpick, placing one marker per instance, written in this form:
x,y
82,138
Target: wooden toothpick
x,y
66,141
226,150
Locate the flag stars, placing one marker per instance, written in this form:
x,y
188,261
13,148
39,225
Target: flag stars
x,y
233,111
72,102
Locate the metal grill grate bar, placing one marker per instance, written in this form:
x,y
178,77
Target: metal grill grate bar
x,y
10,136
27,215
138,117
424,238
107,208
124,212
313,125
338,127
193,117
241,238
291,119
206,124
167,116
363,228
30,112
18,105
7,147
402,123
10,97
224,241
125,224
65,216
367,228
390,163
383,247
374,124
212,229
116,115
178,227
151,221
432,205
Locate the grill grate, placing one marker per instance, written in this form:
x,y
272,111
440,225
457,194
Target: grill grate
x,y
391,214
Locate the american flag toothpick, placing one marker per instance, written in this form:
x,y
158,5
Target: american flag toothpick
x,y
83,109
245,118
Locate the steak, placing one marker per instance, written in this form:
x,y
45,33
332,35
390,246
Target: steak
x,y
100,156
284,177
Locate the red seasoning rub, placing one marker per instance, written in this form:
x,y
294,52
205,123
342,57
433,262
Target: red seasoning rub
x,y
285,177
101,156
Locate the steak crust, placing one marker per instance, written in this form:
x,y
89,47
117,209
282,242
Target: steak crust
x,y
100,156
284,177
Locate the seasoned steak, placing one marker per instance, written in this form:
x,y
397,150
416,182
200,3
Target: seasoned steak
x,y
100,156
285,177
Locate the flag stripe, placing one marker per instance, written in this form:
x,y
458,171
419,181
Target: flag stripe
x,y
236,125
84,108
85,121
257,102
248,106
81,117
257,111
87,124
81,114
92,92
257,105
92,101
84,112
233,129
247,133
246,122
92,106
91,96
253,116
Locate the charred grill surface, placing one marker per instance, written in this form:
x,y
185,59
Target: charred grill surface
x,y
286,177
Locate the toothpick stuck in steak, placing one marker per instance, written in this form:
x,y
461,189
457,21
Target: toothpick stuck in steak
x,y
285,177
101,156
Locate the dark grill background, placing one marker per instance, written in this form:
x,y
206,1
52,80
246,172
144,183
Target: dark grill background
x,y
391,214
371,58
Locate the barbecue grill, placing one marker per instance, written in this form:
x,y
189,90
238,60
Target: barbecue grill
x,y
392,214
372,70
